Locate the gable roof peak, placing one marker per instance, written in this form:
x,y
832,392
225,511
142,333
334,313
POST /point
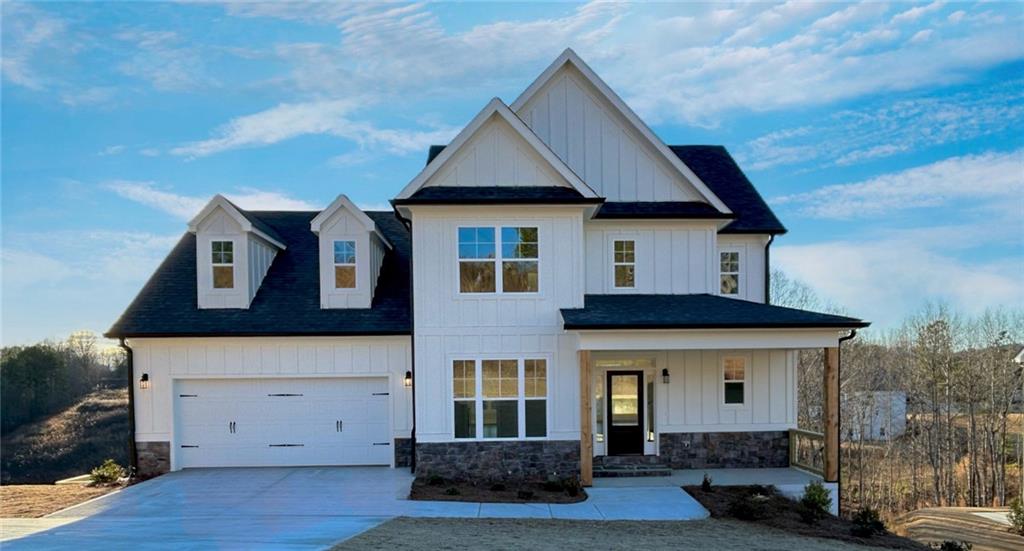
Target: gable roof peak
x,y
343,202
245,220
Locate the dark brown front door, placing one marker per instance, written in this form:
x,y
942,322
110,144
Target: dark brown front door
x,y
625,412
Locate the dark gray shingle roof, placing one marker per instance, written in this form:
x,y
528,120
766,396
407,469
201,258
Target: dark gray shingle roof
x,y
659,209
495,195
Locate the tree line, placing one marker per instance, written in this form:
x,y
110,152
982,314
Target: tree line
x,y
44,378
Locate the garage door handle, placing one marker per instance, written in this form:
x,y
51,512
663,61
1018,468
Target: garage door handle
x,y
231,427
382,443
338,426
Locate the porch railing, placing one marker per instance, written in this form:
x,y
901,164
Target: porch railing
x,y
807,451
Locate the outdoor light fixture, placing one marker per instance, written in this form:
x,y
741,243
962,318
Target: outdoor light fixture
x,y
144,381
408,379
664,375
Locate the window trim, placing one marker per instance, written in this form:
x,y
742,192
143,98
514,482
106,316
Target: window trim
x,y
232,265
740,261
616,264
497,261
520,399
746,381
355,265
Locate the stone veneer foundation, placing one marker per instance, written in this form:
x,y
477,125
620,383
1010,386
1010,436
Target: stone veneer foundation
x,y
725,450
154,458
403,452
506,460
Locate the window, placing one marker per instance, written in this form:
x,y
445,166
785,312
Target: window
x,y
624,262
511,403
479,260
344,264
734,376
223,259
730,272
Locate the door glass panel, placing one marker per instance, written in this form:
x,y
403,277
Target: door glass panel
x,y
599,426
650,411
624,400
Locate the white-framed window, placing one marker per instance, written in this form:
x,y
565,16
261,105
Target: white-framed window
x,y
344,264
624,263
734,380
729,270
222,256
500,398
481,256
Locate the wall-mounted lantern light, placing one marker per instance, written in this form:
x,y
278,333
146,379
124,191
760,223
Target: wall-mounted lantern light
x,y
408,379
664,375
144,381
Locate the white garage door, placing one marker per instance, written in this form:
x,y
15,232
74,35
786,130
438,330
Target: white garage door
x,y
282,422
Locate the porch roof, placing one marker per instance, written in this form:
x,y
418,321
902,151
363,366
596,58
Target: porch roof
x,y
696,311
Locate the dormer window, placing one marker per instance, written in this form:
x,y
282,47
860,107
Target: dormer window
x,y
223,260
344,264
729,262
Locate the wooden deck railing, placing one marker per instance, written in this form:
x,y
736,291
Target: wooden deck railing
x,y
807,451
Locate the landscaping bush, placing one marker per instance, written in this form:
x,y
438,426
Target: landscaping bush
x,y
950,545
553,485
816,503
705,485
1016,516
866,523
107,473
571,486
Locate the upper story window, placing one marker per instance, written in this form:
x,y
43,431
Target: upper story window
x,y
479,260
624,263
729,268
344,264
734,379
223,260
511,401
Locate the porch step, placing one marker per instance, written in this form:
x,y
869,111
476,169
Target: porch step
x,y
627,461
626,471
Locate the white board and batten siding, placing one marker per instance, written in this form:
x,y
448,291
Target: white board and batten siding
x,y
751,250
252,257
599,144
287,360
671,257
261,255
450,325
343,226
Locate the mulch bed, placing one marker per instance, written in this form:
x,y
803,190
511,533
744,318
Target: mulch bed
x,y
523,492
783,514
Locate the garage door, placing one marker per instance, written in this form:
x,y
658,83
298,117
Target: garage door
x,y
282,422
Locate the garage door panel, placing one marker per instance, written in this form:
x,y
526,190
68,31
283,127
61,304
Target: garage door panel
x,y
282,422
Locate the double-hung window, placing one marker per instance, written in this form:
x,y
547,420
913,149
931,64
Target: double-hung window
x,y
729,269
223,260
624,263
509,402
479,260
734,380
344,264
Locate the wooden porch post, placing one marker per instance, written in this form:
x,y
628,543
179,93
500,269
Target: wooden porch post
x,y
586,436
831,414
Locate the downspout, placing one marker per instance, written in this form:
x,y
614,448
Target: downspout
x,y
133,455
412,344
768,270
839,375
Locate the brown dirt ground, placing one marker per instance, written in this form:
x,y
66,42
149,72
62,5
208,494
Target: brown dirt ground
x,y
421,490
437,534
38,500
937,524
785,516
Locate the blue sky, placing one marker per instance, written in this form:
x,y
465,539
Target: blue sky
x,y
888,137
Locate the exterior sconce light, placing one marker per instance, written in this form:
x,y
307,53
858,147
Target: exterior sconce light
x,y
144,381
664,375
408,379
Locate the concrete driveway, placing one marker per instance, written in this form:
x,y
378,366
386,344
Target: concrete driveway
x,y
294,508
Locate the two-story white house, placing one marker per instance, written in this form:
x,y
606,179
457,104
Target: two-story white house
x,y
557,291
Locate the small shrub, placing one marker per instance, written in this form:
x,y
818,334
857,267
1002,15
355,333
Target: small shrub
x,y
705,485
525,494
952,545
107,473
571,486
815,504
1016,516
866,523
752,507
453,491
497,487
435,480
553,486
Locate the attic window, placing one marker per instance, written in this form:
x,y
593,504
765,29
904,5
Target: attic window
x,y
344,264
223,260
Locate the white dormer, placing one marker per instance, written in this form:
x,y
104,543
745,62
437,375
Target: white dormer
x,y
233,253
351,252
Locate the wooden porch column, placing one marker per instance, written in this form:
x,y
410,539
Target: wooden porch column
x,y
831,404
586,428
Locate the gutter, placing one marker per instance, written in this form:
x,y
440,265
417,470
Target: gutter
x,y
412,341
768,270
839,375
133,454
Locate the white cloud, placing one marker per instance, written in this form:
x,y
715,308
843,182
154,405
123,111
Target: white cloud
x,y
111,150
915,13
32,38
921,36
164,59
995,179
185,207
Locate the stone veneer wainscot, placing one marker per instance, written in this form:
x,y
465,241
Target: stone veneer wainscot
x,y
725,450
505,460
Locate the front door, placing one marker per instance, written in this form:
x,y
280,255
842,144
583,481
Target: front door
x,y
625,412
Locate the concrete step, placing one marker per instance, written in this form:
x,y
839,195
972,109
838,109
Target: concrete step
x,y
627,460
627,471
